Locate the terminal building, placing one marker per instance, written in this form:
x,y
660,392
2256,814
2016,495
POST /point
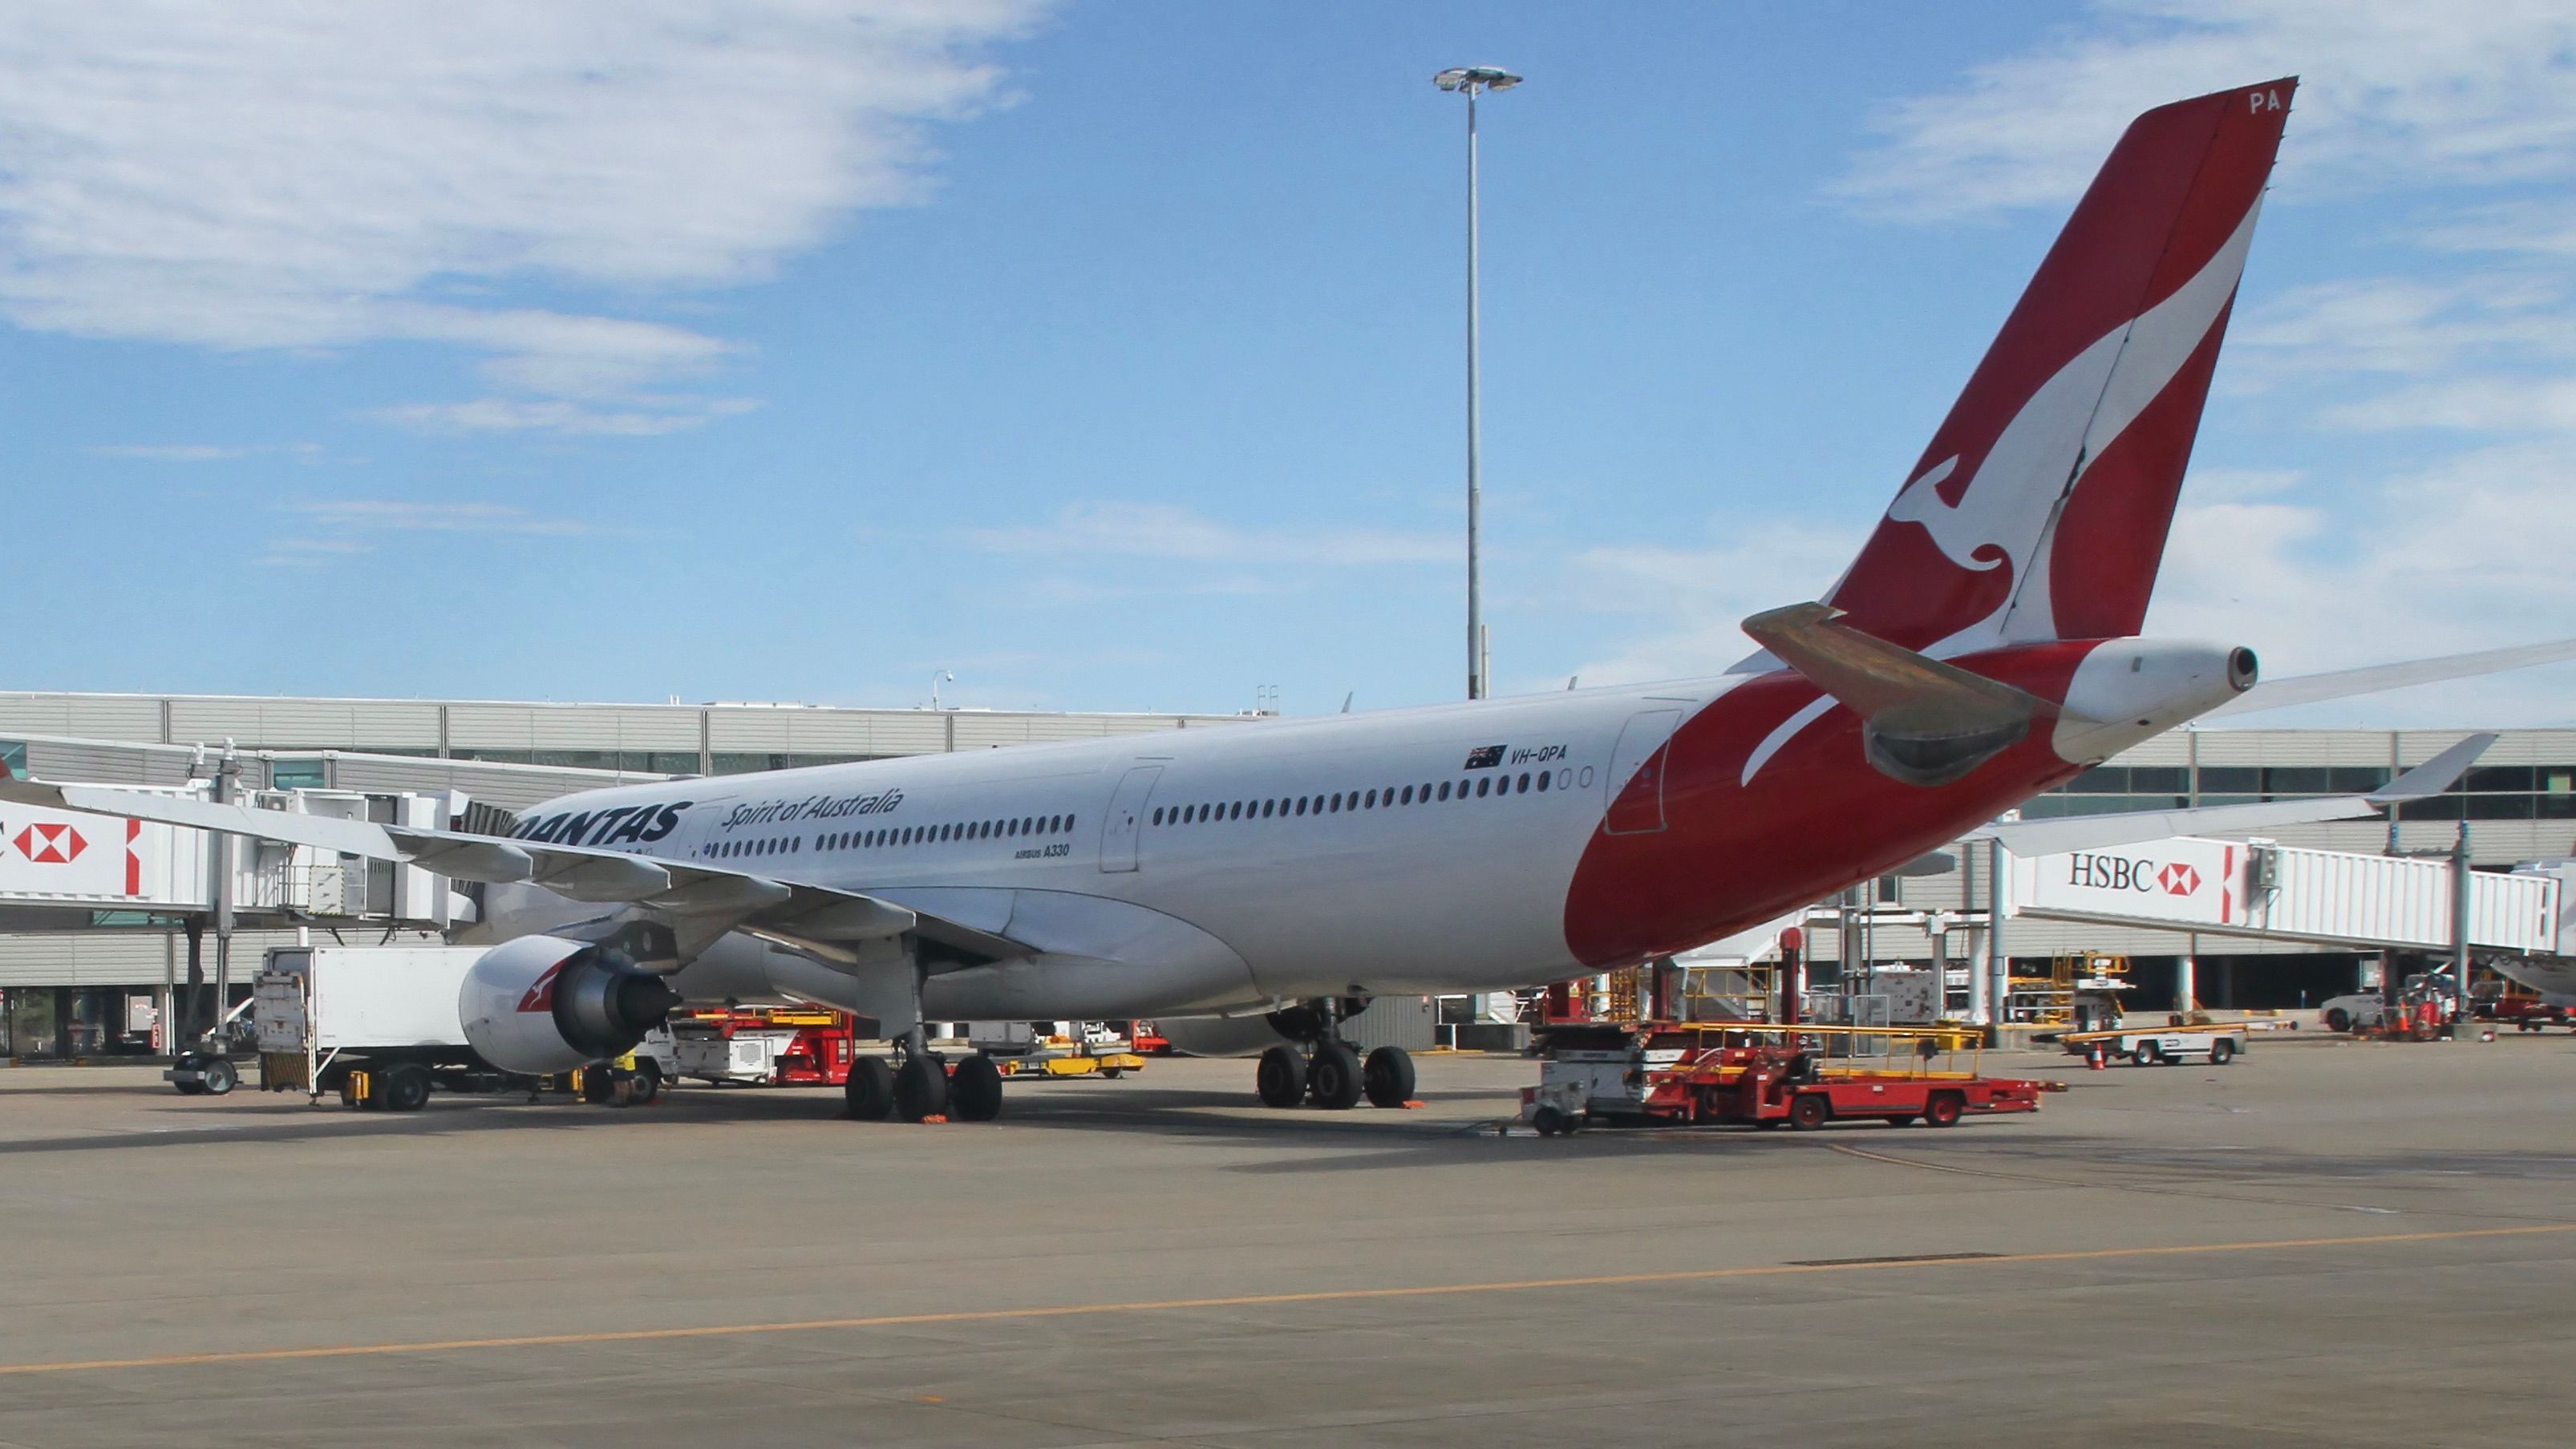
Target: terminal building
x,y
92,982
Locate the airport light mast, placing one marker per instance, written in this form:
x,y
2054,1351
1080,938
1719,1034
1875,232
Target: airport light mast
x,y
1473,81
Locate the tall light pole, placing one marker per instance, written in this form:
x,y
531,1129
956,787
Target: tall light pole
x,y
1473,81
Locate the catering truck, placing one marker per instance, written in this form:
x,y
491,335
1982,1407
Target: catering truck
x,y
380,1026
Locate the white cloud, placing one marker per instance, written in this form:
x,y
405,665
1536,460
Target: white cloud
x,y
171,452
2528,227
202,452
2489,404
2469,553
1099,530
2393,91
2403,325
2235,485
346,526
1701,596
520,415
313,174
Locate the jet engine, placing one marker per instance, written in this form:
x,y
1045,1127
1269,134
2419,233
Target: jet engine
x,y
542,1004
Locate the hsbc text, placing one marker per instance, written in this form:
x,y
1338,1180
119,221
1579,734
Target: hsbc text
x,y
2112,872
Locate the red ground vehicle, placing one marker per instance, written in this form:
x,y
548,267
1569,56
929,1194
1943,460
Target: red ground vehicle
x,y
2526,1013
1639,1075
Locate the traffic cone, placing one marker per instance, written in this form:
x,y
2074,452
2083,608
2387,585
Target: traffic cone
x,y
2096,1058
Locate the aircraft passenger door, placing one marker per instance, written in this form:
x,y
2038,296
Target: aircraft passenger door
x,y
1636,802
1126,818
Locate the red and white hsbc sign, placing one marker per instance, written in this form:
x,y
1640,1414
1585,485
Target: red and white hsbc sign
x,y
2182,881
57,857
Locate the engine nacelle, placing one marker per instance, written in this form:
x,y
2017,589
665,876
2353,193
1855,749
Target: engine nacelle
x,y
542,1004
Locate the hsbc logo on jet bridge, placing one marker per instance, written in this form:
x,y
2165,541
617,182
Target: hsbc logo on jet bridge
x,y
2182,882
2131,873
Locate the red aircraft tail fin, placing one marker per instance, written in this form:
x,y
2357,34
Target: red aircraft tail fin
x,y
2039,511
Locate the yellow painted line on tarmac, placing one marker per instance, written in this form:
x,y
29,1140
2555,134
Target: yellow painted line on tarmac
x,y
1257,1300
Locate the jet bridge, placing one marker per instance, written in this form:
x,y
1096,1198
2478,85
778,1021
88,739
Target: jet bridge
x,y
60,867
2257,889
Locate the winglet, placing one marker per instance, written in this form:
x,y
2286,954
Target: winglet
x,y
2435,775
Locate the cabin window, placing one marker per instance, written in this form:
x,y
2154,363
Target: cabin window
x,y
1484,784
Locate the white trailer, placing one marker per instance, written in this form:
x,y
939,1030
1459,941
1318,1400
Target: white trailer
x,y
380,1025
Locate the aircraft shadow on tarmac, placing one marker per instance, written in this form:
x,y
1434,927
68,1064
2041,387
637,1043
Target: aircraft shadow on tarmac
x,y
1359,1140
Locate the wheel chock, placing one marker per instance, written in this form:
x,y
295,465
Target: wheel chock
x,y
1414,1104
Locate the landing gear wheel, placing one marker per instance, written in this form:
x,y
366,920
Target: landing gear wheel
x,y
2221,1053
1944,1110
1809,1112
869,1093
1334,1077
975,1090
2145,1054
599,1084
220,1076
920,1089
1388,1077
1281,1077
406,1089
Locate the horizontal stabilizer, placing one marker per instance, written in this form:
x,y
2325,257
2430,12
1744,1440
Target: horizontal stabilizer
x,y
1924,722
2103,832
2379,678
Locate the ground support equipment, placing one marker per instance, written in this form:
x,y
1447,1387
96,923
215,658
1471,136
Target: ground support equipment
x,y
2217,1042
1669,1074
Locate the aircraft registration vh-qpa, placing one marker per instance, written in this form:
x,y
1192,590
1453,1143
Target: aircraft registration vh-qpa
x,y
1249,888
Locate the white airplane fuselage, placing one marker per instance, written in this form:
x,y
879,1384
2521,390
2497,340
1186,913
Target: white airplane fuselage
x,y
1452,848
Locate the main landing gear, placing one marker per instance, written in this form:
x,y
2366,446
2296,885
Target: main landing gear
x,y
1327,1071
918,1086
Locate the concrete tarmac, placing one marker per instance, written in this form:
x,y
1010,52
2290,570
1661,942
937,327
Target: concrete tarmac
x,y
2325,1242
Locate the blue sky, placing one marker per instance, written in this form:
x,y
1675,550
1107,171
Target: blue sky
x,y
1108,354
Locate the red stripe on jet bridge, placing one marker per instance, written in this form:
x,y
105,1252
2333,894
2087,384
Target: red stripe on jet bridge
x,y
2227,889
133,858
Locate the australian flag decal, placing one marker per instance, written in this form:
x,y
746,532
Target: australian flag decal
x,y
1484,757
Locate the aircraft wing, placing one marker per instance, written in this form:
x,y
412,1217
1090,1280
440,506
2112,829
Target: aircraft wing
x,y
2102,832
701,901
